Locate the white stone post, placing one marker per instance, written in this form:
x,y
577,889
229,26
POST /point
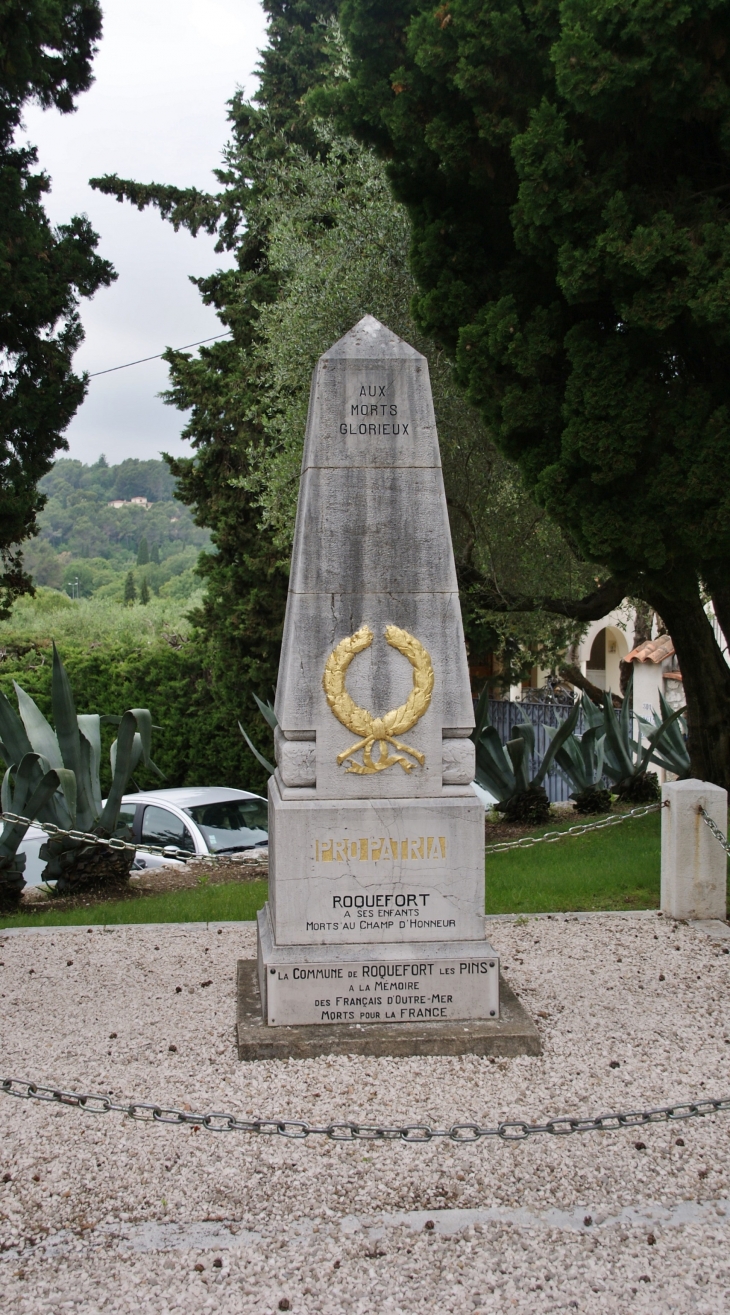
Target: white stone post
x,y
694,863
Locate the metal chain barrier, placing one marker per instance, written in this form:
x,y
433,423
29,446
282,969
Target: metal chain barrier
x,y
299,1129
170,851
549,837
717,833
90,838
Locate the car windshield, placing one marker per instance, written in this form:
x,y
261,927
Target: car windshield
x,y
232,824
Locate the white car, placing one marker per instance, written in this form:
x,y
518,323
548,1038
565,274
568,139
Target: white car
x,y
208,820
205,820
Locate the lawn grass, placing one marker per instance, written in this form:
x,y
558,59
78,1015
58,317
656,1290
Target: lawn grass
x,y
235,902
618,868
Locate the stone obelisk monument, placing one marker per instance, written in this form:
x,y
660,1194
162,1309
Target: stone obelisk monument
x,y
376,840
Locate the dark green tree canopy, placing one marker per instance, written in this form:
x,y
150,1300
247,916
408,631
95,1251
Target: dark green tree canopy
x,y
566,168
46,48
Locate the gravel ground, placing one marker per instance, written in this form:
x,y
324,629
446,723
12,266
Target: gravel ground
x,y
102,1214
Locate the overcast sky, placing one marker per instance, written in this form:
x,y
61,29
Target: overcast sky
x,y
156,113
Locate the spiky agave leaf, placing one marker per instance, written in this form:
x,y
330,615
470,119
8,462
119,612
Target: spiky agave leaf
x,y
267,712
558,736
15,742
619,753
122,767
519,757
493,765
76,757
89,724
269,767
671,753
41,735
33,789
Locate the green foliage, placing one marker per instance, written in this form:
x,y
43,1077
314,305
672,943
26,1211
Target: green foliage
x,y
580,757
47,47
504,770
68,759
144,593
565,169
670,752
318,241
121,657
87,545
130,588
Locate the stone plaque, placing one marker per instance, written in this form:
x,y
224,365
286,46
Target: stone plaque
x,y
376,839
409,983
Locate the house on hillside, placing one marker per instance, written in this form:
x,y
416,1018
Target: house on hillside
x,y
130,502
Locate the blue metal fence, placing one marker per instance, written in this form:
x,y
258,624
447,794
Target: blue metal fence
x,y
505,715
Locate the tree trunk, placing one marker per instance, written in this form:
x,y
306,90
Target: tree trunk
x,y
705,674
574,676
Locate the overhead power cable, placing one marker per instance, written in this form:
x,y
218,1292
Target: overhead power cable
x,y
95,374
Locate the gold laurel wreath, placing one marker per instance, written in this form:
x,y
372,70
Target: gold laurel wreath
x,y
378,730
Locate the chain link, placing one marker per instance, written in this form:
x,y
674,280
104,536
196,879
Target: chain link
x,y
717,833
549,837
299,1129
90,838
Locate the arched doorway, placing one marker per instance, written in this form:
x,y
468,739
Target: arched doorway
x,y
607,651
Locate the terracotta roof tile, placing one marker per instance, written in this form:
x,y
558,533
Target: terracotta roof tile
x,y
652,650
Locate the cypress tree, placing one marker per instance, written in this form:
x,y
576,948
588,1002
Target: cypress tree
x,y
144,593
143,552
566,170
46,51
130,589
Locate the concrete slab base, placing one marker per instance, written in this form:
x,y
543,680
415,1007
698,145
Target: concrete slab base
x,y
513,1033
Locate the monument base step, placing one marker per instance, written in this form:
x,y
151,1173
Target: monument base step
x,y
414,981
513,1033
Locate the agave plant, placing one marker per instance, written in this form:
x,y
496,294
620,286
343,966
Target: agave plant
x,y
73,752
267,712
580,758
503,770
671,752
626,760
31,792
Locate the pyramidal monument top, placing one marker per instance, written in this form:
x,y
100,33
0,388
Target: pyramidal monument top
x,y
369,339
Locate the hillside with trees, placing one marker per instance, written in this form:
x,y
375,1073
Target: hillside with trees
x,y
87,547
